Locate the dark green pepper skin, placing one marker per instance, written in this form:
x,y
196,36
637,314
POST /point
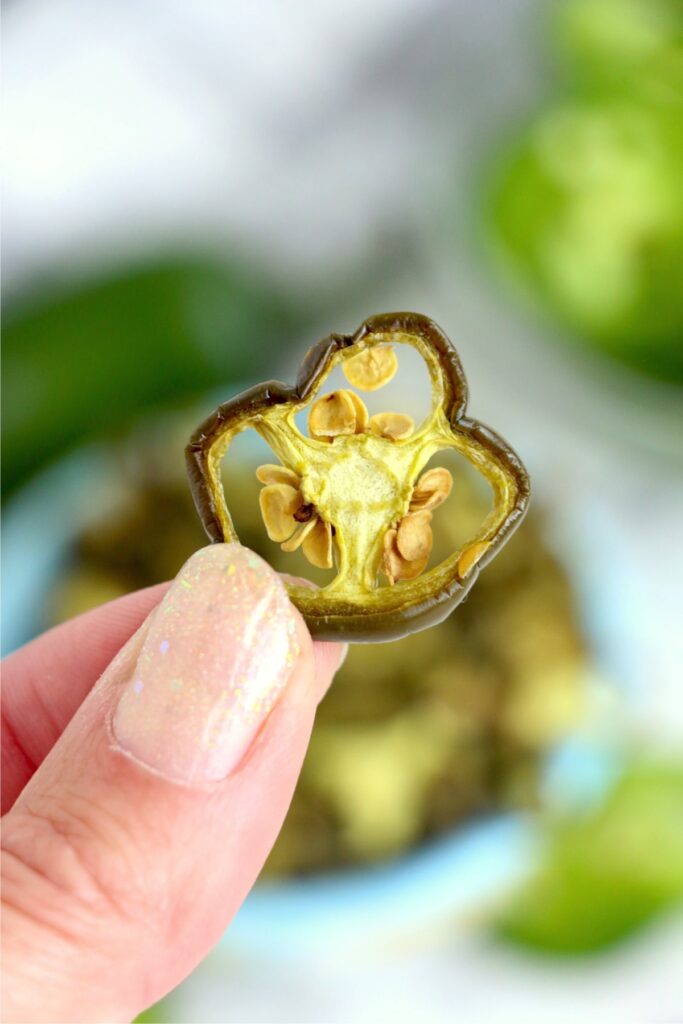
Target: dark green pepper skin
x,y
424,606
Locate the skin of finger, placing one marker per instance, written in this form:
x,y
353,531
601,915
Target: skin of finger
x,y
118,882
45,682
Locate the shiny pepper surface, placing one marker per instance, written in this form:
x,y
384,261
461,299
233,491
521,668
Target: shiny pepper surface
x,y
356,493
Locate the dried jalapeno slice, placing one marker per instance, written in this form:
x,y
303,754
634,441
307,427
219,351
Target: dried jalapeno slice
x,y
356,491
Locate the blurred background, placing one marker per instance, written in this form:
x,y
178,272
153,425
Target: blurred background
x,y
491,813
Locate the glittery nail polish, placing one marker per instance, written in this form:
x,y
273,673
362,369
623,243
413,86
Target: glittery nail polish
x,y
218,653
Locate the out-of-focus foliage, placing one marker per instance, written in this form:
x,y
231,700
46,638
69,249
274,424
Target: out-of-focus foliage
x,y
609,872
87,360
588,205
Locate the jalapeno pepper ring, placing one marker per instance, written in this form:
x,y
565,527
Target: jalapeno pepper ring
x,y
356,487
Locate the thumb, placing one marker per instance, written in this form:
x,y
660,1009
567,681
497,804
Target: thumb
x,y
139,836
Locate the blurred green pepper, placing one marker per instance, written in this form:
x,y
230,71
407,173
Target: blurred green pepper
x,y
609,872
617,43
587,206
588,211
156,1014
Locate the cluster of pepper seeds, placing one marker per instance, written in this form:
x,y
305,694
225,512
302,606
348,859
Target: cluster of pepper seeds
x,y
293,523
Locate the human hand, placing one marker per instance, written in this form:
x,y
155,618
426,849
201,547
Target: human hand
x,y
138,811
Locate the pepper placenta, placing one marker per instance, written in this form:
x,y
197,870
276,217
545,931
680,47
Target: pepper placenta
x,y
356,492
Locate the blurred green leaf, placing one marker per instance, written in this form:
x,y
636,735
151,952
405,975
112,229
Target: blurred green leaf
x,y
89,359
609,873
